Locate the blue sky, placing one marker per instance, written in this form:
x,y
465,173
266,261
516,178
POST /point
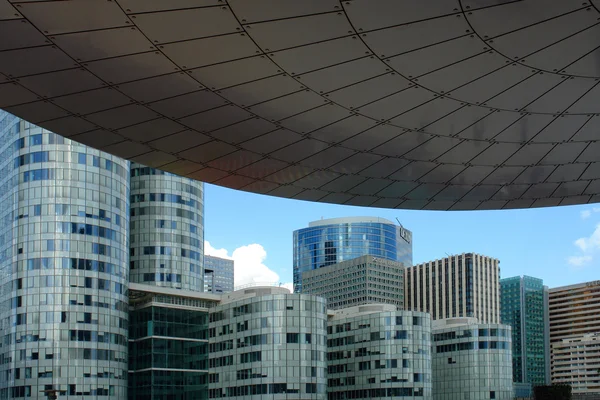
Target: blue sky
x,y
561,245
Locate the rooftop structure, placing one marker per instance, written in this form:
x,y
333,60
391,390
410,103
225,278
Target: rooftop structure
x,y
443,105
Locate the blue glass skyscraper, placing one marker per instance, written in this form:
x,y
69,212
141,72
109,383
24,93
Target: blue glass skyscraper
x,y
330,241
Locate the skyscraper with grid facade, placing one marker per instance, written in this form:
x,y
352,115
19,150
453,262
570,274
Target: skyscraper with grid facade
x,y
464,285
524,306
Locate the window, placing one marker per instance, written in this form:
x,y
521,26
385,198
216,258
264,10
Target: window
x,y
292,338
81,158
35,140
492,394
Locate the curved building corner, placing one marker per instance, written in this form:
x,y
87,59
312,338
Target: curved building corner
x,y
268,342
167,229
63,263
331,241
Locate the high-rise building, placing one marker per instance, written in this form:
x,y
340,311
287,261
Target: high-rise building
x,y
465,285
331,241
64,248
362,280
377,351
167,229
471,360
265,341
218,275
574,332
524,306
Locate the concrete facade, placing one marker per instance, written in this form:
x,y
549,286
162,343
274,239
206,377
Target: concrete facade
x,y
574,330
363,280
464,285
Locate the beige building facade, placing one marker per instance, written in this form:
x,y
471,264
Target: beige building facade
x,y
362,280
463,285
575,337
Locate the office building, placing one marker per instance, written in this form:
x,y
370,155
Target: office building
x,y
168,343
576,361
362,280
524,306
218,275
332,241
64,249
464,285
166,229
471,360
376,351
265,341
574,329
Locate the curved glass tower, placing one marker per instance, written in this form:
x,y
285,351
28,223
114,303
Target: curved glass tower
x,y
63,266
331,241
167,225
265,343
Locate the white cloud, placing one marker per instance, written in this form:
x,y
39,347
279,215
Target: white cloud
x,y
579,261
589,246
590,243
585,214
289,286
249,264
211,251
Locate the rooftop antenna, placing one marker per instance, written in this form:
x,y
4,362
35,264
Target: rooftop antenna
x,y
399,223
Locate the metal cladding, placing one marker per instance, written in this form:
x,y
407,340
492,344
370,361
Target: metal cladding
x,y
440,105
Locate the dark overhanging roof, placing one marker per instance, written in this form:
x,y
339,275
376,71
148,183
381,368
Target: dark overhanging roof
x,y
438,104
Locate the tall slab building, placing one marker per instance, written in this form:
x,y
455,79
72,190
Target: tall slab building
x,y
464,285
524,306
330,241
575,338
167,229
63,266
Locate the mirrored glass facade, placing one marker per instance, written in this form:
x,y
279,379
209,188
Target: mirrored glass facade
x,y
374,352
523,306
471,360
168,353
63,266
167,229
265,342
331,241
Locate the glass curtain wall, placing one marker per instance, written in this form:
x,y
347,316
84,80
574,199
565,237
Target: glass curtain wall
x,y
63,266
167,229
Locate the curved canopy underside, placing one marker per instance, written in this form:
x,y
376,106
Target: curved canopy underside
x,y
437,104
